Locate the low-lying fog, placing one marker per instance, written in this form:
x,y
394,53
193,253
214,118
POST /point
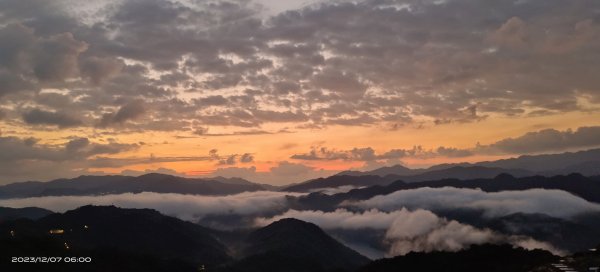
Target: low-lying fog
x,y
408,220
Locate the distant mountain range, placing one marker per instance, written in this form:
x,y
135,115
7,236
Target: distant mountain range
x,y
575,234
586,163
587,188
159,183
372,178
337,181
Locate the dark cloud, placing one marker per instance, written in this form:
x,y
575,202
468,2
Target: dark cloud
x,y
246,158
57,59
26,158
15,149
127,112
548,140
204,132
17,41
54,100
231,159
59,119
100,69
52,58
9,83
76,145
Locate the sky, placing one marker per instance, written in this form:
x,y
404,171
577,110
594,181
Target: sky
x,y
283,91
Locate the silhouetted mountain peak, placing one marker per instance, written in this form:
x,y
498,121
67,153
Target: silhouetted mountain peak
x,y
294,243
287,226
288,233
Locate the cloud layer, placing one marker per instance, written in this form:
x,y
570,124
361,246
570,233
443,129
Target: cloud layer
x,y
555,203
187,207
406,231
406,221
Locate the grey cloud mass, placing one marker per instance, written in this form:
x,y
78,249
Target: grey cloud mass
x,y
60,119
187,207
333,63
25,159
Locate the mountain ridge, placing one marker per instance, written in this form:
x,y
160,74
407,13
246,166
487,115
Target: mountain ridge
x,y
294,243
153,182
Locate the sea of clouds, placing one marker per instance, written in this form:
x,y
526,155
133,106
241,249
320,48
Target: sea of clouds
x,y
184,206
408,217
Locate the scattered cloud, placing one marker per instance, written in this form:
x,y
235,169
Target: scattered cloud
x,y
25,158
542,141
322,64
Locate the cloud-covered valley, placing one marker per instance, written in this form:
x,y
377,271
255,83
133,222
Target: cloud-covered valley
x,y
406,231
555,203
187,207
400,222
